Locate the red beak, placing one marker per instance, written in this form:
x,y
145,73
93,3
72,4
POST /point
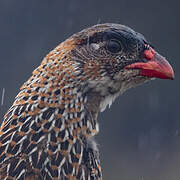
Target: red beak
x,y
156,66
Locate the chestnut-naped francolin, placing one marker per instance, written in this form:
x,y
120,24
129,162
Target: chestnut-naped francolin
x,y
48,132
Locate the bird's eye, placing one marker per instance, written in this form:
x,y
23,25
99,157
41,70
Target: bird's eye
x,y
114,46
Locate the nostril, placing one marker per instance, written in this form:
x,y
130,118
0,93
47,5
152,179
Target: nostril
x,y
149,53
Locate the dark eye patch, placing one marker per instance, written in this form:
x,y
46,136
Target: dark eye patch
x,y
125,38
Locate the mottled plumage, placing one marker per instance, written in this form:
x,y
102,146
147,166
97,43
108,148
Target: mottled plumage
x,y
48,131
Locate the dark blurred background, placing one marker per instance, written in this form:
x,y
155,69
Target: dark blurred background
x,y
140,135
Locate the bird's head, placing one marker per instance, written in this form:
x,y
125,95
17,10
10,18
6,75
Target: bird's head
x,y
115,58
85,73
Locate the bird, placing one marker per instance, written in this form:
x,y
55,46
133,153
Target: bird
x,y
49,131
